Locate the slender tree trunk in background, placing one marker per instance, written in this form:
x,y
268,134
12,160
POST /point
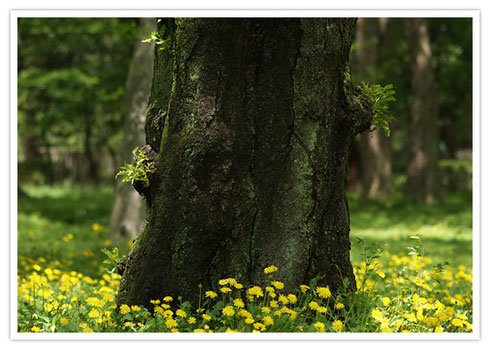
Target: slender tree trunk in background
x,y
422,167
374,147
128,211
252,157
31,142
93,167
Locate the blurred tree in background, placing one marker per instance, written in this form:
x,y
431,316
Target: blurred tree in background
x,y
128,212
374,147
71,75
381,55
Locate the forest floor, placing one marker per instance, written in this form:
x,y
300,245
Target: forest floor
x,y
63,229
52,216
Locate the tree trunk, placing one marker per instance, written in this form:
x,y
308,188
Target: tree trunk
x,y
128,211
252,157
374,147
93,166
422,166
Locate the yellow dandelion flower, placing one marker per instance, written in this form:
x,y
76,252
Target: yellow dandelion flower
x,y
313,305
457,322
304,288
168,299
339,306
93,313
238,303
338,325
259,326
88,330
210,294
244,313
292,298
35,329
231,281
319,327
181,313
323,292
64,321
385,301
268,321
225,290
270,269
249,320
198,330
283,299
322,309
135,308
191,320
171,323
238,286
128,324
124,309
255,291
273,303
385,328
376,314
206,317
228,311
265,310
277,284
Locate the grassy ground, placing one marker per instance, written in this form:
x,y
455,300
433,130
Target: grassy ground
x,y
63,286
49,214
446,227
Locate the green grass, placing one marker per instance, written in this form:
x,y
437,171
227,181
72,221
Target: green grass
x,y
446,227
62,230
49,214
52,212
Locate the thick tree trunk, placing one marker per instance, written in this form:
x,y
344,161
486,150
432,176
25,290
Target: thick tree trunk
x,y
128,211
252,157
422,166
374,147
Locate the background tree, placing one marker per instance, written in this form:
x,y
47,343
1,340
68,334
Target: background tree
x,y
422,167
128,212
252,156
71,90
374,147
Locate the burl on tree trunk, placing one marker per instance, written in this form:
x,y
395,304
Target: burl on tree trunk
x,y
252,120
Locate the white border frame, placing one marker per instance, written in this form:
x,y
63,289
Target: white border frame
x,y
474,14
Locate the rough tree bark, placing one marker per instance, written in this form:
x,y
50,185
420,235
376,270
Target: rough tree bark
x,y
422,166
258,117
374,147
128,211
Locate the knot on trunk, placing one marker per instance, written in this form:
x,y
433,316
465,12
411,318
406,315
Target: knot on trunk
x,y
360,108
144,159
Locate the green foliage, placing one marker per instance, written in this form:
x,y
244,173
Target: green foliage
x,y
380,97
139,170
158,39
114,261
71,76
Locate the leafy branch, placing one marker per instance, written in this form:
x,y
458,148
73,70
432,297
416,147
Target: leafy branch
x,y
139,170
380,97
